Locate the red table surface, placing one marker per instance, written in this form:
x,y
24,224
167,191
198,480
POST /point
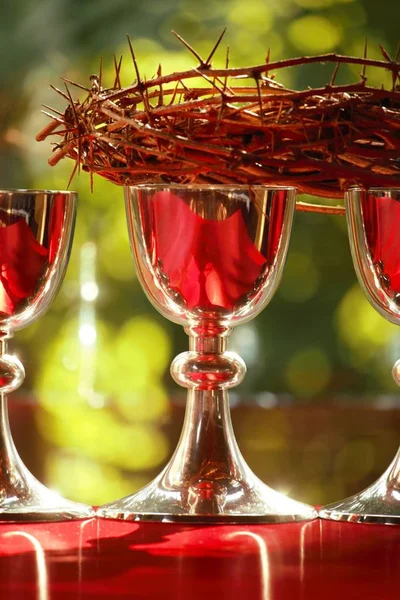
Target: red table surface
x,y
110,559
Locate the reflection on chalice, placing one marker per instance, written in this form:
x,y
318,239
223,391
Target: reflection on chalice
x,y
36,229
373,219
209,258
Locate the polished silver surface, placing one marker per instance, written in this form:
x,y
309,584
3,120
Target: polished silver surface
x,y
36,230
208,258
373,218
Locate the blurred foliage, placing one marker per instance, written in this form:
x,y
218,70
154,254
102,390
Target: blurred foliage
x,y
318,338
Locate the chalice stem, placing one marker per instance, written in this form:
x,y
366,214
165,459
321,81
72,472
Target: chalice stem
x,y
22,497
207,460
16,482
15,479
207,431
12,375
8,453
394,473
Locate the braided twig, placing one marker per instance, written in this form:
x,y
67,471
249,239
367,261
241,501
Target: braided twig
x,y
231,125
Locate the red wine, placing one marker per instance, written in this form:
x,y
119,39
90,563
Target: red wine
x,y
212,250
381,215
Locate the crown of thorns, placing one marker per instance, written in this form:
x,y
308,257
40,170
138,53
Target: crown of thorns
x,y
239,126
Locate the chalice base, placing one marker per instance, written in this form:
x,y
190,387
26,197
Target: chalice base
x,y
207,480
379,503
24,499
248,501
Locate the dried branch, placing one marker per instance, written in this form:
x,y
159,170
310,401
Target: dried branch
x,y
166,129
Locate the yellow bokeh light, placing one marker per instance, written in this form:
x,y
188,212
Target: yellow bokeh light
x,y
314,3
149,338
121,372
252,15
355,460
115,258
270,431
317,4
148,404
308,372
254,48
314,33
87,481
301,278
361,327
99,435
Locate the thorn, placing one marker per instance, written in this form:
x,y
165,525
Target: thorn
x,y
174,94
58,120
207,78
160,94
226,67
66,131
384,53
208,61
91,161
117,67
100,73
189,47
139,81
59,92
267,58
78,85
146,103
364,69
73,173
335,72
259,100
76,123
57,112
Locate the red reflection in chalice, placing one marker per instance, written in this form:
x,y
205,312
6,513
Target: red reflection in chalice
x,y
21,263
212,259
29,244
381,217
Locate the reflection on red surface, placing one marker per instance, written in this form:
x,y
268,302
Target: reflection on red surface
x,y
211,262
109,559
382,225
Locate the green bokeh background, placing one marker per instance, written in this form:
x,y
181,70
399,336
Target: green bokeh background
x,y
319,340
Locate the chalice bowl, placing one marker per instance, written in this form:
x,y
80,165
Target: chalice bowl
x,y
36,229
208,257
373,218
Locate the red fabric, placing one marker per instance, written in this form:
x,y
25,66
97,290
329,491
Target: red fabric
x,y
382,222
21,263
211,263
